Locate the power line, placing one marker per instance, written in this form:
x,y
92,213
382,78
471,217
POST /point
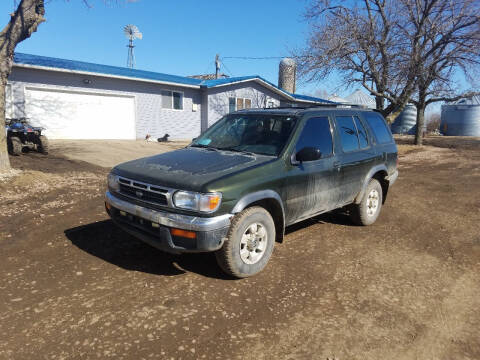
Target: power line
x,y
226,68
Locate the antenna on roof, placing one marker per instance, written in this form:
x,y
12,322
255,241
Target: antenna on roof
x,y
132,33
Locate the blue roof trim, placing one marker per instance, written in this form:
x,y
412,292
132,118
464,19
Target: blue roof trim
x,y
73,65
310,98
36,60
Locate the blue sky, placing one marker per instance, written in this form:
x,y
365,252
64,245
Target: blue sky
x,y
179,37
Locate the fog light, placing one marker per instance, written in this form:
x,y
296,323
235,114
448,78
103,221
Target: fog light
x,y
155,225
184,233
123,213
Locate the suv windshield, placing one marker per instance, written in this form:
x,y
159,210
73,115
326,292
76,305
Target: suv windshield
x,y
256,133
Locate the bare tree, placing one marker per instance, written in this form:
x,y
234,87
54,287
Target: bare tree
x,y
450,44
400,51
363,44
23,23
433,122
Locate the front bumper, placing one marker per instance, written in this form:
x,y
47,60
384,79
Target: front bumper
x,y
153,227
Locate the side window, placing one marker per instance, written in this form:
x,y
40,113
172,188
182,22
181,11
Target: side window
x,y
362,133
316,133
348,133
379,127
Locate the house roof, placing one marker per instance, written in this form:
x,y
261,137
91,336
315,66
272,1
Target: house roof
x,y
73,66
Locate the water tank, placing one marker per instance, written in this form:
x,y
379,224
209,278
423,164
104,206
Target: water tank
x,y
461,118
406,122
287,72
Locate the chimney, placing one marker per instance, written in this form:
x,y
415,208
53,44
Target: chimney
x,y
287,71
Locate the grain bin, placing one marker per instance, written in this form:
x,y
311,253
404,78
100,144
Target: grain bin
x,y
358,97
287,72
461,118
406,122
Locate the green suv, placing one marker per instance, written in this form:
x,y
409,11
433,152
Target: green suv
x,y
236,187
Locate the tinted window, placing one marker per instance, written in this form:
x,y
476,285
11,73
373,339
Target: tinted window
x,y
348,133
316,133
379,127
362,133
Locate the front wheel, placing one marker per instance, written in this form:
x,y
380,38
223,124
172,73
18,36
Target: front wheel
x,y
249,243
42,144
366,213
15,146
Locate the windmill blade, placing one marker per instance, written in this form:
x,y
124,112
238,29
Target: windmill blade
x,y
132,32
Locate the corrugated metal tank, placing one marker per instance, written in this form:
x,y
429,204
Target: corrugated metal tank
x,y
405,123
462,118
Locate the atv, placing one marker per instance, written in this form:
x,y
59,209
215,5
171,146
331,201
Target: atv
x,y
20,134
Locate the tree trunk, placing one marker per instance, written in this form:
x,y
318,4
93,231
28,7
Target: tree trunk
x,y
23,23
4,160
420,122
379,103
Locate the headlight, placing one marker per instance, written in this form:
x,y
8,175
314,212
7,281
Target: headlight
x,y
197,202
113,183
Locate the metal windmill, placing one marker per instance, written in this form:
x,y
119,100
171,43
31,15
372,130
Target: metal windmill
x,y
132,33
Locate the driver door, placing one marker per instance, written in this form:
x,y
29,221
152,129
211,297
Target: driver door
x,y
312,185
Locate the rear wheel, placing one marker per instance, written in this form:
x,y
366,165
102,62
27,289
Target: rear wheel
x,y
249,243
15,146
42,144
366,213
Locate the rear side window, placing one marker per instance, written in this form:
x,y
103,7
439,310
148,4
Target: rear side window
x,y
348,133
379,127
362,133
316,133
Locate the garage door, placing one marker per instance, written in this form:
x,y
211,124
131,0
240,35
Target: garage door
x,y
75,115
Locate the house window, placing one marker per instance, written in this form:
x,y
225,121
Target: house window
x,y
235,104
172,100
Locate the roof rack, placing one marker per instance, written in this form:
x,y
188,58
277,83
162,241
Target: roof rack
x,y
337,105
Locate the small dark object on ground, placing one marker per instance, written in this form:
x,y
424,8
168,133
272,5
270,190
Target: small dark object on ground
x,y
164,138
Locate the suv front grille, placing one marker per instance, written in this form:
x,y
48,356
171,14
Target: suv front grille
x,y
144,192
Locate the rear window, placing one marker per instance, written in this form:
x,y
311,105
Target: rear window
x,y
379,127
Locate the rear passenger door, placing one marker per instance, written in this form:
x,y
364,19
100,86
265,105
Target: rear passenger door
x,y
356,156
310,184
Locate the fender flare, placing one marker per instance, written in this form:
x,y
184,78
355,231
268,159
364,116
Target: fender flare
x,y
256,196
367,178
263,195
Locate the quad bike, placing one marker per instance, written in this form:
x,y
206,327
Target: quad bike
x,y
20,134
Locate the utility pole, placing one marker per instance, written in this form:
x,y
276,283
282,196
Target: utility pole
x,y
217,66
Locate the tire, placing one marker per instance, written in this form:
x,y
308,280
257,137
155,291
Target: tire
x,y
366,213
241,256
15,146
42,145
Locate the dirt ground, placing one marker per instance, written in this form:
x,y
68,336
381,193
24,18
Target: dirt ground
x,y
75,287
112,151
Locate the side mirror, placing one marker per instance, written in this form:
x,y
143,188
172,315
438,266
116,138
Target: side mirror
x,y
308,154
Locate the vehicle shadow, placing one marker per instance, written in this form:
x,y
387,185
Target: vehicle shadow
x,y
108,242
337,217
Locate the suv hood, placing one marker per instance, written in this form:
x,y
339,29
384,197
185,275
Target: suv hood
x,y
189,168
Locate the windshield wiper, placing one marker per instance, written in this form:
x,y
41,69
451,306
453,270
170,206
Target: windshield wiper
x,y
237,150
201,146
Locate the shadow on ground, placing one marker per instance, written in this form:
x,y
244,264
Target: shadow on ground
x,y
108,242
